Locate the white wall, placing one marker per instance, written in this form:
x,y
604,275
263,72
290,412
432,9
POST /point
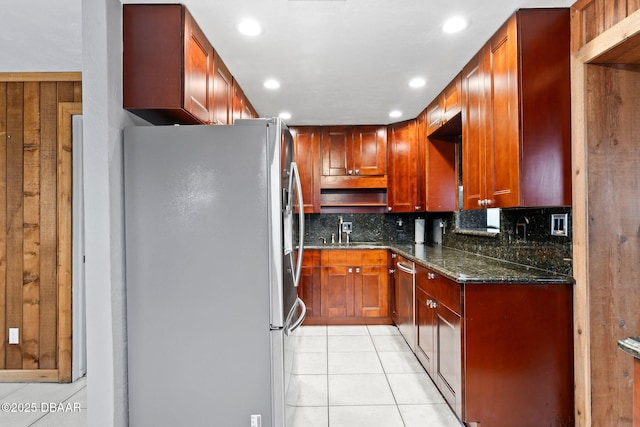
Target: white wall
x,y
104,120
41,35
85,35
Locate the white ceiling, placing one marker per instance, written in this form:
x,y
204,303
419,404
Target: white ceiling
x,y
338,61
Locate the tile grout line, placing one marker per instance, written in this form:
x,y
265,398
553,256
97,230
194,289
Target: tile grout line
x,y
386,377
327,349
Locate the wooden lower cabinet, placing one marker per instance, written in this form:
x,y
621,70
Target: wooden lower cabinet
x,y
500,354
439,331
309,287
346,287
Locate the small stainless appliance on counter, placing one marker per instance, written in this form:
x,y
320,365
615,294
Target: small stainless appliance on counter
x,y
212,266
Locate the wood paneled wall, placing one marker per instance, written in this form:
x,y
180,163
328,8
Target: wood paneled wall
x,y
590,18
606,219
30,239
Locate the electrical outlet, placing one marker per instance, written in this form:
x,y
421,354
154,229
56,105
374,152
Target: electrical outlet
x,y
14,336
559,224
347,227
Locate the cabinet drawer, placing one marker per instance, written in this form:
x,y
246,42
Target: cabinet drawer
x,y
449,294
340,258
445,291
374,257
354,257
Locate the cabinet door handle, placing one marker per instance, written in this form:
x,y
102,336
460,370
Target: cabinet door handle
x,y
350,270
389,208
431,276
350,172
357,270
392,271
357,171
434,304
488,202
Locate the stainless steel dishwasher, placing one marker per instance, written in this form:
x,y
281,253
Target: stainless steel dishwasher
x,y
405,274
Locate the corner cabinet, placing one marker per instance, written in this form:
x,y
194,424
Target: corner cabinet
x,y
516,124
353,287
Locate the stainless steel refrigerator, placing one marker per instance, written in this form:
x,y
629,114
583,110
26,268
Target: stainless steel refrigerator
x,y
214,228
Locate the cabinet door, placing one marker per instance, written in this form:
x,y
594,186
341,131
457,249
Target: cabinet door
x,y
222,92
371,291
425,322
307,155
422,183
473,131
434,115
238,103
451,100
337,292
503,139
309,288
198,66
449,356
370,150
337,149
401,191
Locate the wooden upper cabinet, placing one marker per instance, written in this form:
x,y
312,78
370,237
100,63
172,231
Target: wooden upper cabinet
x,y
306,141
222,93
198,66
403,153
516,126
171,73
166,64
354,150
241,107
473,130
445,107
436,184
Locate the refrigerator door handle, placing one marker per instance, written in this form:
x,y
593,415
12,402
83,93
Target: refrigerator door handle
x,y
295,177
289,329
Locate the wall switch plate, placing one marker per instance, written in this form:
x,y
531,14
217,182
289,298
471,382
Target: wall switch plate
x,y
14,335
560,224
347,227
256,420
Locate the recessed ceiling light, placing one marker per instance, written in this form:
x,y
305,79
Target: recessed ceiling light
x,y
417,82
249,27
395,114
285,115
455,24
272,84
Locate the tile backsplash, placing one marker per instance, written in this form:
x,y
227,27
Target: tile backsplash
x,y
538,249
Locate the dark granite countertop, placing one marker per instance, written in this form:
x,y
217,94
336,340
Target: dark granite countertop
x,y
461,266
631,346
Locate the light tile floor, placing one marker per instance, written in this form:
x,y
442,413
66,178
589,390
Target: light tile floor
x,y
43,405
352,376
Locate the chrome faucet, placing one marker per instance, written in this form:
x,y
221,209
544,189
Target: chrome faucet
x,y
340,230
